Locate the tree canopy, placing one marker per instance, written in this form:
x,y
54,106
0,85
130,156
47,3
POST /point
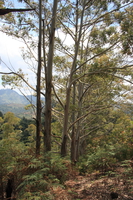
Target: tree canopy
x,y
81,53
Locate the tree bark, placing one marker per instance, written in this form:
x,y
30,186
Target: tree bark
x,y
4,11
48,106
68,91
38,117
73,137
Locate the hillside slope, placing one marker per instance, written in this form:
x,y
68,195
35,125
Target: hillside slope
x,y
11,101
8,96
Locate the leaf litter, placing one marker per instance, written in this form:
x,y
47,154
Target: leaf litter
x,y
98,185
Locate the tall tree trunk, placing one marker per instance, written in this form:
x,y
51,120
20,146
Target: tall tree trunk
x,y
73,137
76,129
80,86
47,132
68,91
38,118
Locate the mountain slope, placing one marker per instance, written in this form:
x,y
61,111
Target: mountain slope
x,y
11,101
8,96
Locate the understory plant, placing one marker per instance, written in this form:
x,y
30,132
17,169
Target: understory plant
x,y
41,176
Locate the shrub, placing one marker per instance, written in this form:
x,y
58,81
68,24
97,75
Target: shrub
x,y
103,159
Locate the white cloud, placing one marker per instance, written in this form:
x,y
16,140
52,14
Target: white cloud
x,y
10,54
65,38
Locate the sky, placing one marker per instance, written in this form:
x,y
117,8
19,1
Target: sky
x,y
10,54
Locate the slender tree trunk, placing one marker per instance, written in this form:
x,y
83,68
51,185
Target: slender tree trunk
x,y
47,132
77,130
65,127
38,118
68,91
78,127
73,144
77,139
73,137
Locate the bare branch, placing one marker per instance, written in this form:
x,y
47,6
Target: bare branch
x,y
57,97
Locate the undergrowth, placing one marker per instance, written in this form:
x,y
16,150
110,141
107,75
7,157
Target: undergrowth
x,y
104,159
41,175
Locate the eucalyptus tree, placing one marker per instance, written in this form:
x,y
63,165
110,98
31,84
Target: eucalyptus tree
x,y
26,31
48,76
87,57
94,30
38,113
38,88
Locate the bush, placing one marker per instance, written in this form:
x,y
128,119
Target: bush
x,y
103,159
42,174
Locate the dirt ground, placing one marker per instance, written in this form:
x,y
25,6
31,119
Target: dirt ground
x,y
98,186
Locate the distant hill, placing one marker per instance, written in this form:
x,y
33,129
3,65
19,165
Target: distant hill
x,y
11,101
8,96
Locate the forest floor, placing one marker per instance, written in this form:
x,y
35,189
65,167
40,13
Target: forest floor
x,y
98,185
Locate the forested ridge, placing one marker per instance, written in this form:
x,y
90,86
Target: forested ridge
x,y
8,96
79,144
12,101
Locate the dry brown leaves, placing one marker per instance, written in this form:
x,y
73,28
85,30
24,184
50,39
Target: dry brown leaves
x,y
97,186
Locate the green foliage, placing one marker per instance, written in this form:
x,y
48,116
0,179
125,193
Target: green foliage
x,y
103,159
31,183
36,176
37,196
13,80
98,59
110,144
23,128
86,84
127,30
28,130
6,158
59,169
124,152
40,176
